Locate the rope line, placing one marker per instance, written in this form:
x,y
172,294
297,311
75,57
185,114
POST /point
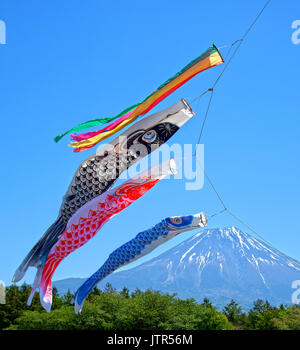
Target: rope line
x,y
239,43
204,119
248,226
211,183
291,260
217,213
198,97
225,208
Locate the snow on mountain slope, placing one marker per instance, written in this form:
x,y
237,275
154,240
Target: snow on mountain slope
x,y
220,264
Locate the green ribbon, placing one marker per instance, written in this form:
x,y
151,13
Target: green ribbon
x,y
94,122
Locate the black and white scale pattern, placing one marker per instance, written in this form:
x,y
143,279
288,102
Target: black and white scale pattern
x,y
94,177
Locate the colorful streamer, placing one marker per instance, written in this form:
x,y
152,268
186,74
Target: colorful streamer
x,y
207,60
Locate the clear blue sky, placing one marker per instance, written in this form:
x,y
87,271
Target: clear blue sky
x,y
70,61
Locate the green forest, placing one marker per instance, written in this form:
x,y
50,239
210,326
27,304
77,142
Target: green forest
x,y
147,310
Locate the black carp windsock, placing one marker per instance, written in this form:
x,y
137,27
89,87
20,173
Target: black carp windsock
x,y
100,171
138,247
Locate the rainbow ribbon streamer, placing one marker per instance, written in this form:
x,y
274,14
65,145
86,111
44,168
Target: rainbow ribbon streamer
x,y
208,59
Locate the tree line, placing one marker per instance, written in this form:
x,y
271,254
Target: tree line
x,y
140,310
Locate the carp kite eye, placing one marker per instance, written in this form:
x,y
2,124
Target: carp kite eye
x,y
176,220
149,136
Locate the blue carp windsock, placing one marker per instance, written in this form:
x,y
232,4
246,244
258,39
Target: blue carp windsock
x,y
138,247
99,172
90,218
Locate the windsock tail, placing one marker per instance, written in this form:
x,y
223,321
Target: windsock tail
x,y
46,295
41,249
36,283
83,291
77,305
44,284
45,280
31,295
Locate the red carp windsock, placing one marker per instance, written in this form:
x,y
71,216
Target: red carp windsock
x,y
90,218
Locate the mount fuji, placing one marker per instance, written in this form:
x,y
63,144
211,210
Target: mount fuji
x,y
219,264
